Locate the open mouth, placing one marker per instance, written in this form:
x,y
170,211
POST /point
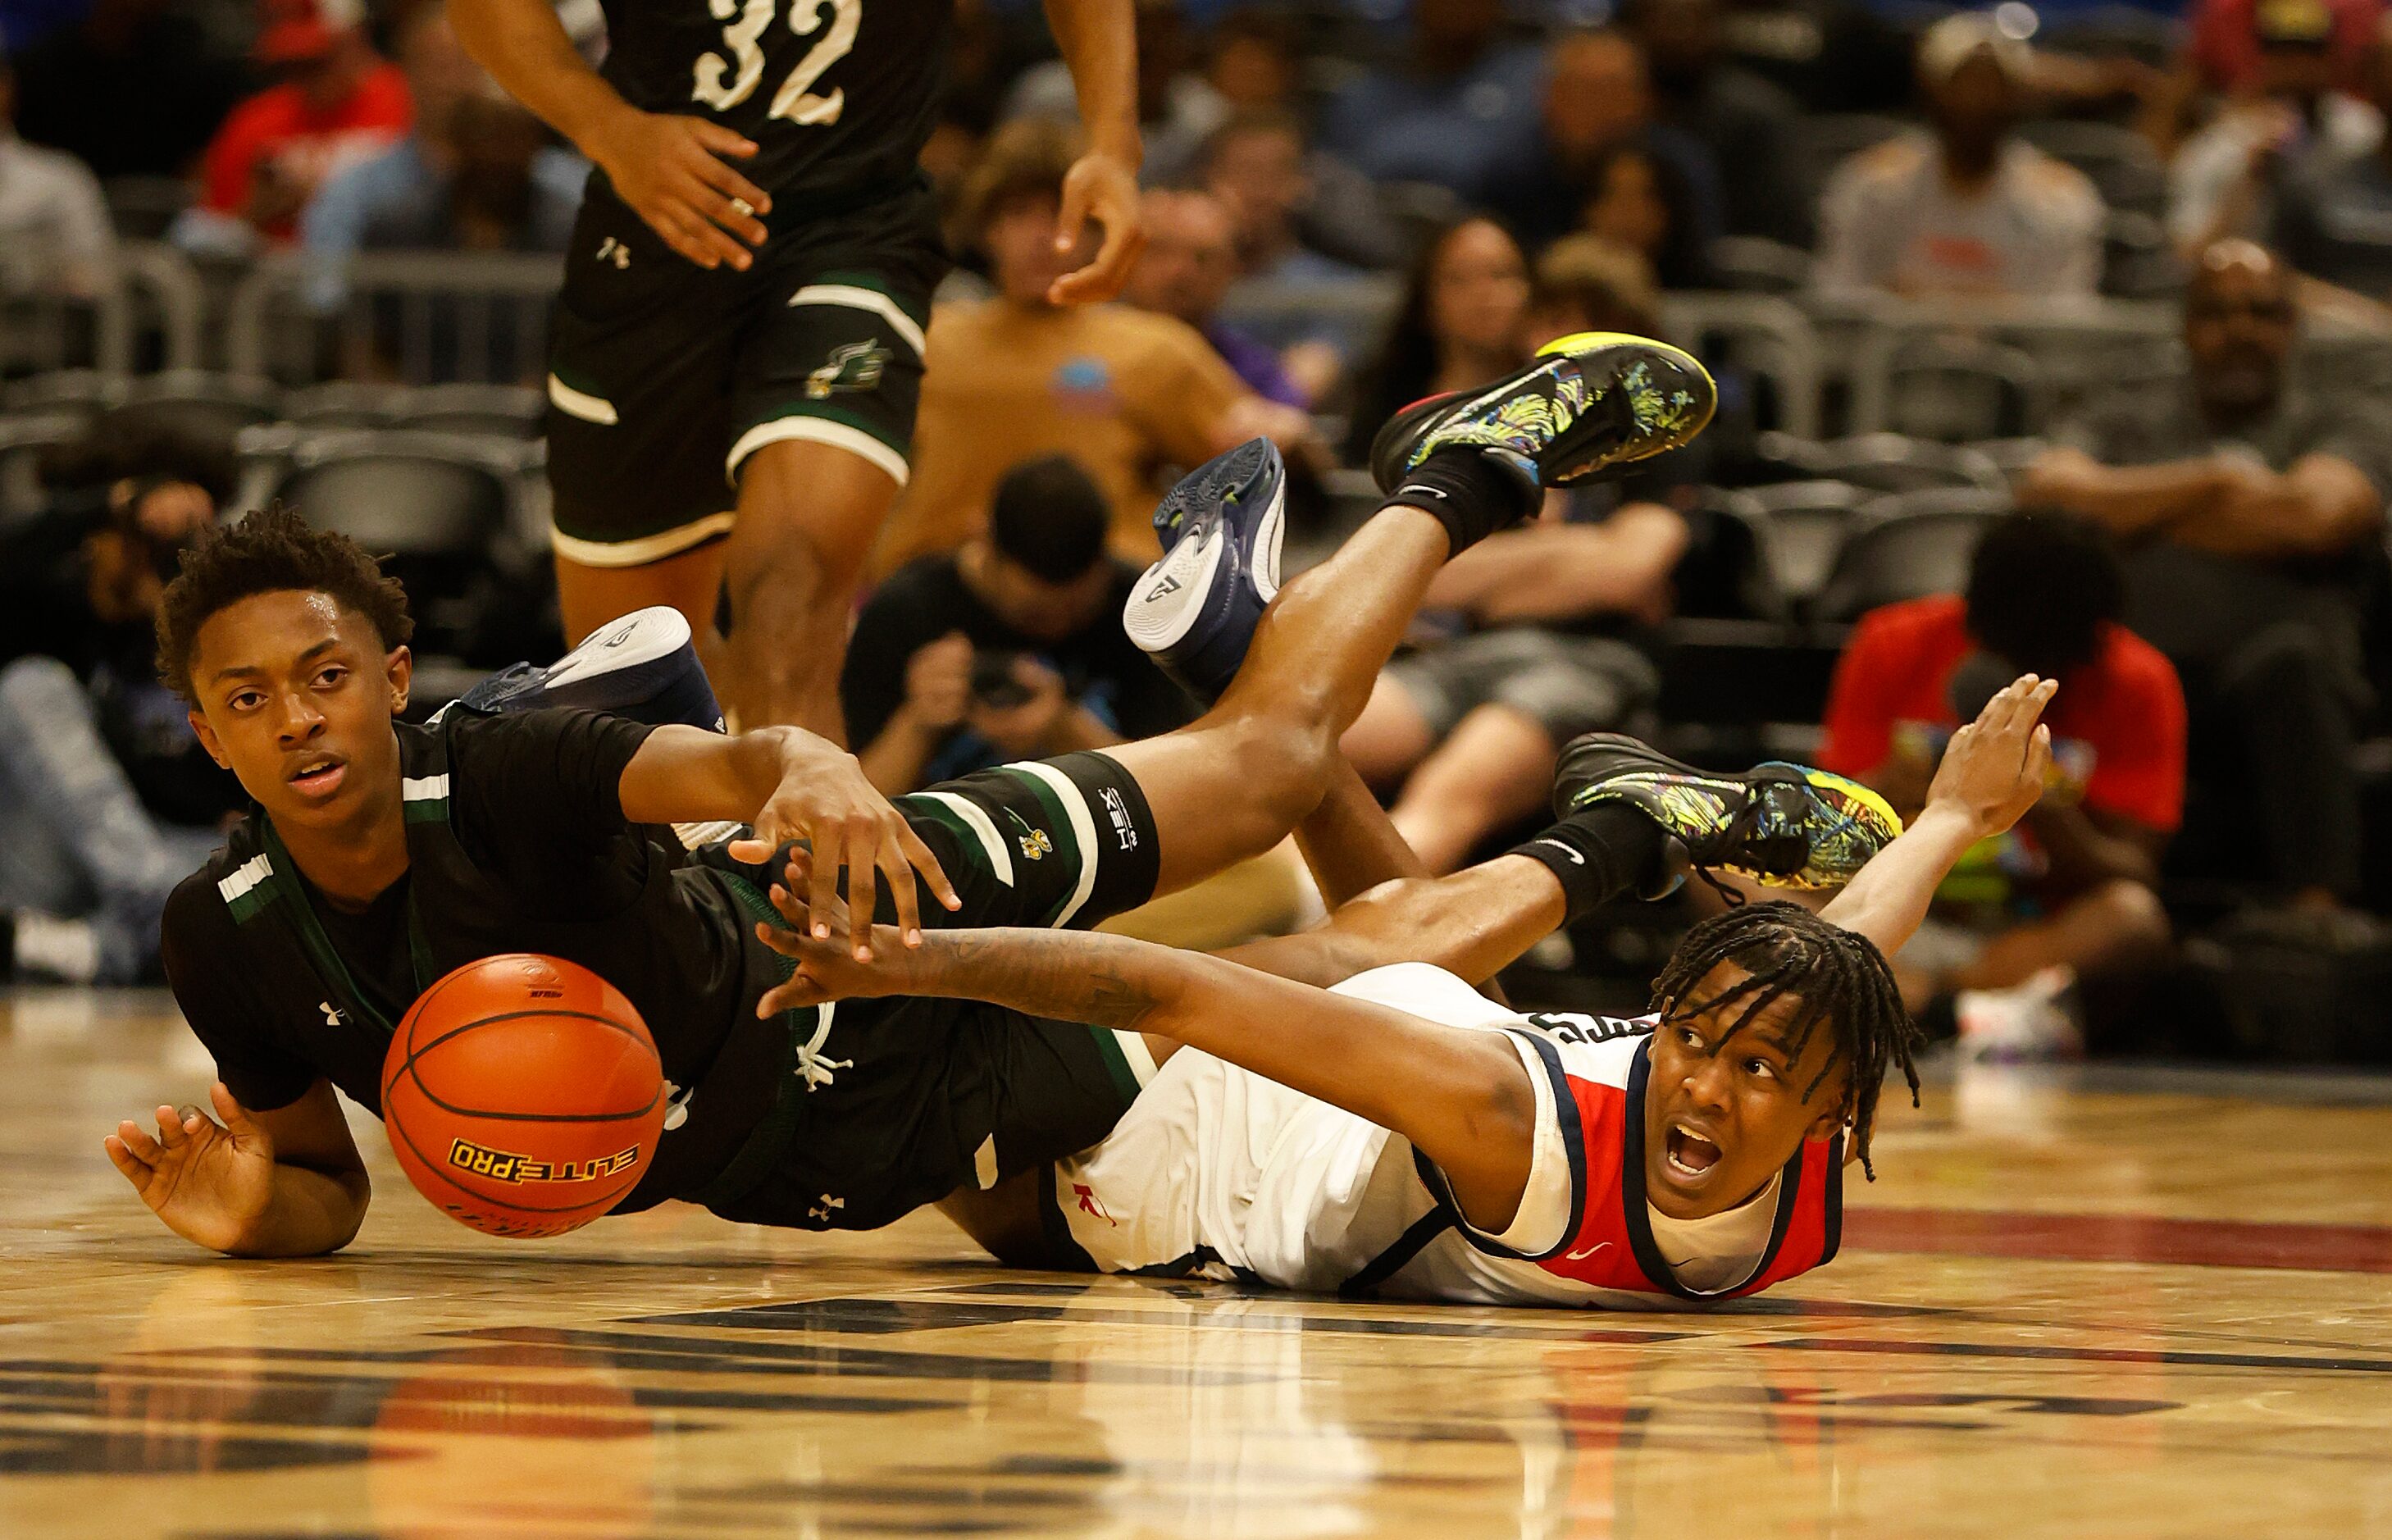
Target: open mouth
x,y
318,777
1689,1154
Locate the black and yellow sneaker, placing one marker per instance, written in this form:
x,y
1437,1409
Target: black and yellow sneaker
x,y
1785,826
1586,404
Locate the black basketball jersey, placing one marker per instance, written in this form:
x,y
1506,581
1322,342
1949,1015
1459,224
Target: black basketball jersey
x,y
264,986
838,95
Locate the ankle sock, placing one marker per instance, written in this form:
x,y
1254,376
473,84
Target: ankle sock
x,y
1601,854
1470,492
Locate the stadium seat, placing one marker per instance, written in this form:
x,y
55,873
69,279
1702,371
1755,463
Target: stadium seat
x,y
496,410
1955,388
1906,547
1882,462
345,404
210,406
23,436
1802,524
1748,263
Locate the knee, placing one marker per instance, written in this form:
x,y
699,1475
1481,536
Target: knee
x,y
1285,765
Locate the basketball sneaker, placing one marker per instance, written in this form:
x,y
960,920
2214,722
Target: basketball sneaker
x,y
1785,826
1196,609
1586,404
643,666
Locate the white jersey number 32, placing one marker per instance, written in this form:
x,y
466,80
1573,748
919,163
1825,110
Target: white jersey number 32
x,y
723,84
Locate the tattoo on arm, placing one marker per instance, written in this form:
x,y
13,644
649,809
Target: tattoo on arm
x,y
1070,974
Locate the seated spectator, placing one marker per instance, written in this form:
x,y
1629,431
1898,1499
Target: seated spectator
x,y
1255,61
1458,109
1124,391
73,86
1257,168
2223,180
1177,109
1598,107
55,238
1967,208
2332,211
338,103
1529,634
1748,124
2072,887
2246,507
107,800
1008,648
1638,202
1189,263
1458,325
2226,52
476,174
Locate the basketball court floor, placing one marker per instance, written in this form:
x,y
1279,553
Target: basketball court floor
x,y
2113,1304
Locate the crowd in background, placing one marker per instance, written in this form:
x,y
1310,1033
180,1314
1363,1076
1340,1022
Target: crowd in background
x,y
2202,560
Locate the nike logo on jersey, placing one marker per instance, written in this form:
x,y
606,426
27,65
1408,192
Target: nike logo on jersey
x,y
1575,857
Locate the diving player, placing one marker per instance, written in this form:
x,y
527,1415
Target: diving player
x,y
1399,1134
381,856
747,418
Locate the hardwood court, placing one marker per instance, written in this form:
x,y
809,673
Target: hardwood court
x,y
2150,1305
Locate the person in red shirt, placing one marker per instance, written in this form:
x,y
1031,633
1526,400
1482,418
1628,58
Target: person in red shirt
x,y
337,102
2069,893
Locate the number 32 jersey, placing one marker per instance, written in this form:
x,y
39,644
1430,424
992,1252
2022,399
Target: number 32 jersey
x,y
838,95
1217,1173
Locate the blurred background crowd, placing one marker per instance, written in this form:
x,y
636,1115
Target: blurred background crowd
x,y
2050,338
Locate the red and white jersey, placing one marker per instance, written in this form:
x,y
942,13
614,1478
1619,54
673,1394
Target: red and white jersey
x,y
1216,1171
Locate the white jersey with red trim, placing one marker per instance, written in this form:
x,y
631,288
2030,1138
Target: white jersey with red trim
x,y
1215,1172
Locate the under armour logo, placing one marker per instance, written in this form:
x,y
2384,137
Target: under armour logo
x,y
1565,850
677,1106
332,1017
612,250
1582,1255
822,1211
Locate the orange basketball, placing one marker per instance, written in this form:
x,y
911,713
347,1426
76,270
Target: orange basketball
x,y
523,1095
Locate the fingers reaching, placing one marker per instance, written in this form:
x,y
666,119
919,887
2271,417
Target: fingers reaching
x,y
862,881
919,858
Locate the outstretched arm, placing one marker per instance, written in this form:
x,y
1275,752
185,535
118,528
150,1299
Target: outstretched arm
x,y
1992,773
283,1183
1099,42
791,784
1460,1095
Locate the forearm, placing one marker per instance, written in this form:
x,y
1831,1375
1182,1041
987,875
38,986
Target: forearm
x,y
311,1213
1890,897
2083,854
527,49
686,774
1099,42
2131,501
2322,505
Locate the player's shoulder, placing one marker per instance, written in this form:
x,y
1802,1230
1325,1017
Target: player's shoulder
x,y
1880,167
198,919
1599,1049
1426,990
1907,625
2055,187
2137,668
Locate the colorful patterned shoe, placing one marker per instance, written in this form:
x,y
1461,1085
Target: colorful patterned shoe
x,y
1195,610
1785,826
1586,404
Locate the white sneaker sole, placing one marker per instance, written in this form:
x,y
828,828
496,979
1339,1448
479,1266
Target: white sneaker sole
x,y
642,637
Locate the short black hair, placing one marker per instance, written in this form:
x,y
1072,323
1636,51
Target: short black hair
x,y
2041,585
270,552
1050,519
1835,975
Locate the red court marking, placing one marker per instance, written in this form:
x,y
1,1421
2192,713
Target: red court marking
x,y
2121,1238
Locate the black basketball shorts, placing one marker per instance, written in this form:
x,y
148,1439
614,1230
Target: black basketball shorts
x,y
664,377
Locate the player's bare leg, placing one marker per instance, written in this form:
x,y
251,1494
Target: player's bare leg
x,y
689,580
807,514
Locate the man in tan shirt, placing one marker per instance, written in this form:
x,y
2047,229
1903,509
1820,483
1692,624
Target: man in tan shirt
x,y
1124,391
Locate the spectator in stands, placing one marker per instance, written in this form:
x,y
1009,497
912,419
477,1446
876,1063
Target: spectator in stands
x,y
2333,212
55,238
73,86
1458,325
1190,261
1969,208
476,174
1460,108
1302,215
1255,62
1637,200
2254,515
1468,724
1750,126
2073,887
340,102
1125,391
106,801
2228,56
1008,648
1176,108
1598,143
2224,180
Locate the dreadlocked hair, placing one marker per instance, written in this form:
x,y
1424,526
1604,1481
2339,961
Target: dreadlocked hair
x,y
1834,976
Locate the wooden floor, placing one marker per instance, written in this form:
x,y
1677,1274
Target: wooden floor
x,y
2116,1306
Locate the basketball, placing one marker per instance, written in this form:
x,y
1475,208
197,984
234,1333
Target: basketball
x,y
523,1095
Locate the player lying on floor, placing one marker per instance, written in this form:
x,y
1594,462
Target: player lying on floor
x,y
379,855
1399,1134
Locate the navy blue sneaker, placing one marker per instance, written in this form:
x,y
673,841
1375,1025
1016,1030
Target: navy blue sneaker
x,y
643,666
1195,610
